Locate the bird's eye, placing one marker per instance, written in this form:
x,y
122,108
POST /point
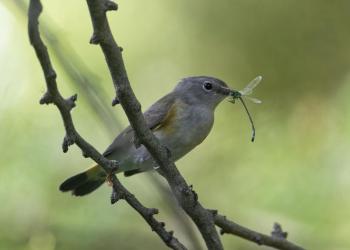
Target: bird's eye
x,y
207,86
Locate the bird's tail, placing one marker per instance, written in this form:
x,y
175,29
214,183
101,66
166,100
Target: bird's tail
x,y
85,182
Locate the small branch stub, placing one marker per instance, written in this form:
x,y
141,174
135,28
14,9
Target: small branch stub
x,y
85,155
278,232
153,211
194,193
71,101
67,141
46,99
110,5
115,196
95,39
188,191
115,101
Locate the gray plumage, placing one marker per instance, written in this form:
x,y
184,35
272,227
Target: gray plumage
x,y
181,120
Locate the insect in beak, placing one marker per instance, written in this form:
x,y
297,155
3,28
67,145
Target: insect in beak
x,y
234,94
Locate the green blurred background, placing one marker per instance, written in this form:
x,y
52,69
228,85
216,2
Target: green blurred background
x,y
296,173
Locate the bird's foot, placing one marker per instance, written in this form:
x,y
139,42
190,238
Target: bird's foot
x,y
110,175
109,179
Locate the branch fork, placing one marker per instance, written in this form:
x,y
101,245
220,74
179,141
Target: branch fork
x,y
205,220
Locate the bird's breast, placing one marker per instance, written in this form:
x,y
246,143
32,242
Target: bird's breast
x,y
185,128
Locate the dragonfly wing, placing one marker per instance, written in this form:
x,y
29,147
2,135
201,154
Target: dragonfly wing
x,y
250,86
255,100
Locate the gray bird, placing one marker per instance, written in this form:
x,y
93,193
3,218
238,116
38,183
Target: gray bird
x,y
181,120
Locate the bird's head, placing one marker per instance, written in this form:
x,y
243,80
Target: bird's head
x,y
208,92
203,90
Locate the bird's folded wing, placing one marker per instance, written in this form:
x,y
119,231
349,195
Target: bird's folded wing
x,y
156,117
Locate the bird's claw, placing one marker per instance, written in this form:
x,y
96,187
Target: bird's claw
x,y
109,179
114,168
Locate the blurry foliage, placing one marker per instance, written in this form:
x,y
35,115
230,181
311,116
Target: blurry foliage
x,y
295,173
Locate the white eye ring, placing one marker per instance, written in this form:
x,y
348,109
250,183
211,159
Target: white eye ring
x,y
207,86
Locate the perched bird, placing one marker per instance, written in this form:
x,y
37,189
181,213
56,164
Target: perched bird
x,y
181,120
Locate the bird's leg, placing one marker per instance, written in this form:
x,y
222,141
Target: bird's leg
x,y
113,170
109,180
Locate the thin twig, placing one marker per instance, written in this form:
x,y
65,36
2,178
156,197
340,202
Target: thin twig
x,y
276,240
72,136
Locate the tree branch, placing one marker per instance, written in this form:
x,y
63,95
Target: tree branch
x,y
204,219
72,136
184,194
276,240
187,198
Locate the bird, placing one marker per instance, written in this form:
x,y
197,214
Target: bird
x,y
180,120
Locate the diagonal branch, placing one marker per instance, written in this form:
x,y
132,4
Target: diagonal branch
x,y
72,136
276,240
204,219
187,198
183,192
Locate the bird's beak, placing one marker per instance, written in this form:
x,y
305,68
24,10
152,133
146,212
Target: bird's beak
x,y
232,95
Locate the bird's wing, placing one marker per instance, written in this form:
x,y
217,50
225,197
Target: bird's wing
x,y
160,112
156,116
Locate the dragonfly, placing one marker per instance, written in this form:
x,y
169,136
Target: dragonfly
x,y
245,93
